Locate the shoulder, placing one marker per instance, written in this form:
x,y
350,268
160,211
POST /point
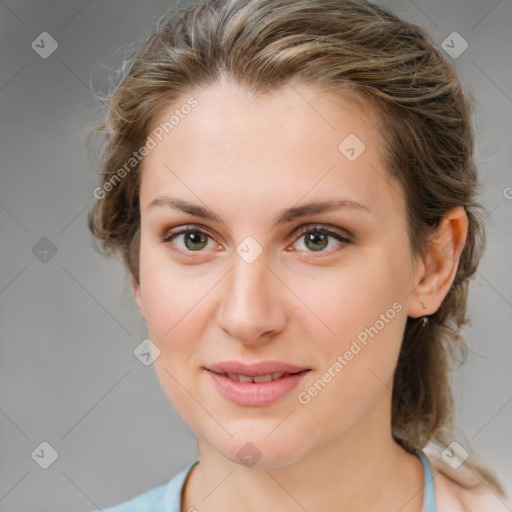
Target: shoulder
x,y
459,490
164,497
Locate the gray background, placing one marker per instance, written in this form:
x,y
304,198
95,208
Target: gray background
x,y
69,326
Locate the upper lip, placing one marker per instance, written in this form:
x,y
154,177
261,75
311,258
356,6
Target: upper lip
x,y
252,370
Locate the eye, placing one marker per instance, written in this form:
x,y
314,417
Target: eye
x,y
316,237
194,239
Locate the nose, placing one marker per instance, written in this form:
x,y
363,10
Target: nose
x,y
251,310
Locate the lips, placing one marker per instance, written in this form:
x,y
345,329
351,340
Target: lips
x,y
255,385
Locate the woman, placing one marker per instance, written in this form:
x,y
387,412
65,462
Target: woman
x,y
292,188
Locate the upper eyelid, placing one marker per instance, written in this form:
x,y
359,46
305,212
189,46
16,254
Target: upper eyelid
x,y
180,230
323,227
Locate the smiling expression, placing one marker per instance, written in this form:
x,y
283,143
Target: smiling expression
x,y
293,249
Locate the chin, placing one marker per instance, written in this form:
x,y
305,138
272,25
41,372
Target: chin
x,y
259,449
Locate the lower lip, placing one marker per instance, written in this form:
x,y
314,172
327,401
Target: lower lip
x,y
256,394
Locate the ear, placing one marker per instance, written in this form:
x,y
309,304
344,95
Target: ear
x,y
437,270
137,294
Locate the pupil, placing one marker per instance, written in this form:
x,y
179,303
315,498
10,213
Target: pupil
x,y
311,238
195,238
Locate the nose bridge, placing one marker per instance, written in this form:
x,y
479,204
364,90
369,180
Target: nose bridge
x,y
251,306
250,279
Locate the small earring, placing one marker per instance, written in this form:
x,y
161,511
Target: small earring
x,y
424,318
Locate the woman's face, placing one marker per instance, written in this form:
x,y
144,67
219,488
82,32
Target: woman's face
x,y
253,284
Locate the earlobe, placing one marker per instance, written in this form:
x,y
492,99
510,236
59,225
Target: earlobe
x,y
439,264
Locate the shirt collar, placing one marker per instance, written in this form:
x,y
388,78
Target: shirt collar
x,y
174,489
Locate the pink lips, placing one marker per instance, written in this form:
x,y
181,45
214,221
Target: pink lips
x,y
255,394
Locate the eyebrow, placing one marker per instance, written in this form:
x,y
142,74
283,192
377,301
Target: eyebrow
x,y
287,215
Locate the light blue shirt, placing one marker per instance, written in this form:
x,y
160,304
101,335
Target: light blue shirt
x,y
166,497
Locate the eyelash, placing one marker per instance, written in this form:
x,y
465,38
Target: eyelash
x,y
170,234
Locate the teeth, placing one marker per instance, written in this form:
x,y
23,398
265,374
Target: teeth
x,y
257,378
263,378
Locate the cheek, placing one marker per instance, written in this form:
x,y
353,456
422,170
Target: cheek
x,y
343,301
171,295
358,339
174,315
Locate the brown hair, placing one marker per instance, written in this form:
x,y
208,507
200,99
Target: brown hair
x,y
337,45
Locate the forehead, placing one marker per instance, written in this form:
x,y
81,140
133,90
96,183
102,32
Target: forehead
x,y
256,150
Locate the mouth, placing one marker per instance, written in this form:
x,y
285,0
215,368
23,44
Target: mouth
x,y
256,385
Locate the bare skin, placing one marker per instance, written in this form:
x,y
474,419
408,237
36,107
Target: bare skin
x,y
246,159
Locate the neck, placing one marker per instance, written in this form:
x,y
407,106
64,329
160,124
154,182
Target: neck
x,y
363,469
